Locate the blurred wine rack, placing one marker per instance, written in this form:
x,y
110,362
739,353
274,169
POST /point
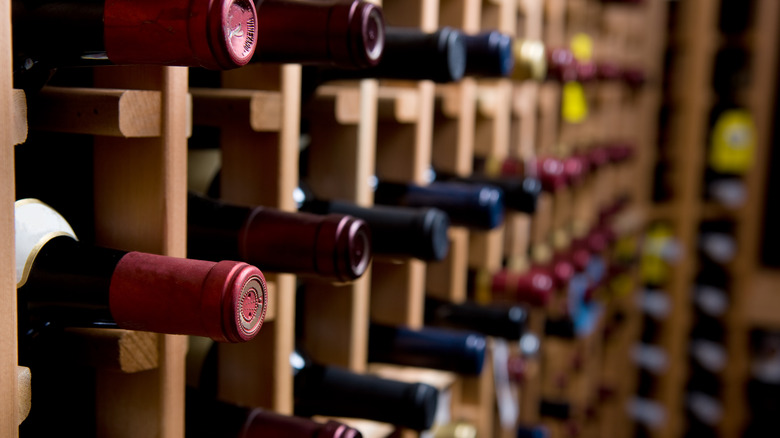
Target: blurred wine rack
x,y
141,123
721,56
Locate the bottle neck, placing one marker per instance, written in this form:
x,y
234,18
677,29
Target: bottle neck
x,y
69,283
62,32
334,391
436,348
395,231
507,321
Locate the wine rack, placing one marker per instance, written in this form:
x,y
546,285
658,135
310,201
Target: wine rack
x,y
686,207
147,127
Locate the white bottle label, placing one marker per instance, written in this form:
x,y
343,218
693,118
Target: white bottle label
x,y
35,224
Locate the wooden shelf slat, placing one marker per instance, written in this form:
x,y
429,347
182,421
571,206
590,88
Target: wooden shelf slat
x,y
23,393
95,111
224,106
19,114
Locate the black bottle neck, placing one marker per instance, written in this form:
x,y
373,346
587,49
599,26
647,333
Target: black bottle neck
x,y
69,283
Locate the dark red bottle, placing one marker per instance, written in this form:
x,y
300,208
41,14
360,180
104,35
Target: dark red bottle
x,y
338,33
65,283
215,34
333,246
210,418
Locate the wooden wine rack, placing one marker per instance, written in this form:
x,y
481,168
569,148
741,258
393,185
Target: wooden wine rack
x,y
693,45
140,119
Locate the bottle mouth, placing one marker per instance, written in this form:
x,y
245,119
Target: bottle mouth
x,y
343,247
530,60
248,305
373,33
362,25
334,429
436,224
232,29
455,50
251,306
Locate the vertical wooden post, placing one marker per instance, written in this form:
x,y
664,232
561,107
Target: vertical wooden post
x,y
8,349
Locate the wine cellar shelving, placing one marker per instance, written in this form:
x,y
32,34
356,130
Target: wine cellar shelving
x,y
720,56
141,136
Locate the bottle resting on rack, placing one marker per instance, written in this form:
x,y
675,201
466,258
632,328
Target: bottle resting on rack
x,y
478,206
520,194
214,34
333,246
429,347
489,54
207,418
396,231
346,34
321,389
503,321
411,54
534,286
530,60
64,283
334,391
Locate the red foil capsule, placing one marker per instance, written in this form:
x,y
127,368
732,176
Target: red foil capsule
x,y
587,71
225,301
534,287
561,65
215,34
517,368
608,71
579,257
574,169
563,270
334,245
551,172
598,157
263,423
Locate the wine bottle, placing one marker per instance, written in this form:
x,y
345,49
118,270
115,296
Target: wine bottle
x,y
708,354
458,429
429,347
346,34
63,282
710,305
327,390
216,35
533,431
651,358
736,16
209,418
396,231
655,303
704,408
530,60
647,412
550,172
469,205
533,287
561,410
608,71
561,65
334,391
730,151
520,194
503,321
409,54
489,54
333,246
716,242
